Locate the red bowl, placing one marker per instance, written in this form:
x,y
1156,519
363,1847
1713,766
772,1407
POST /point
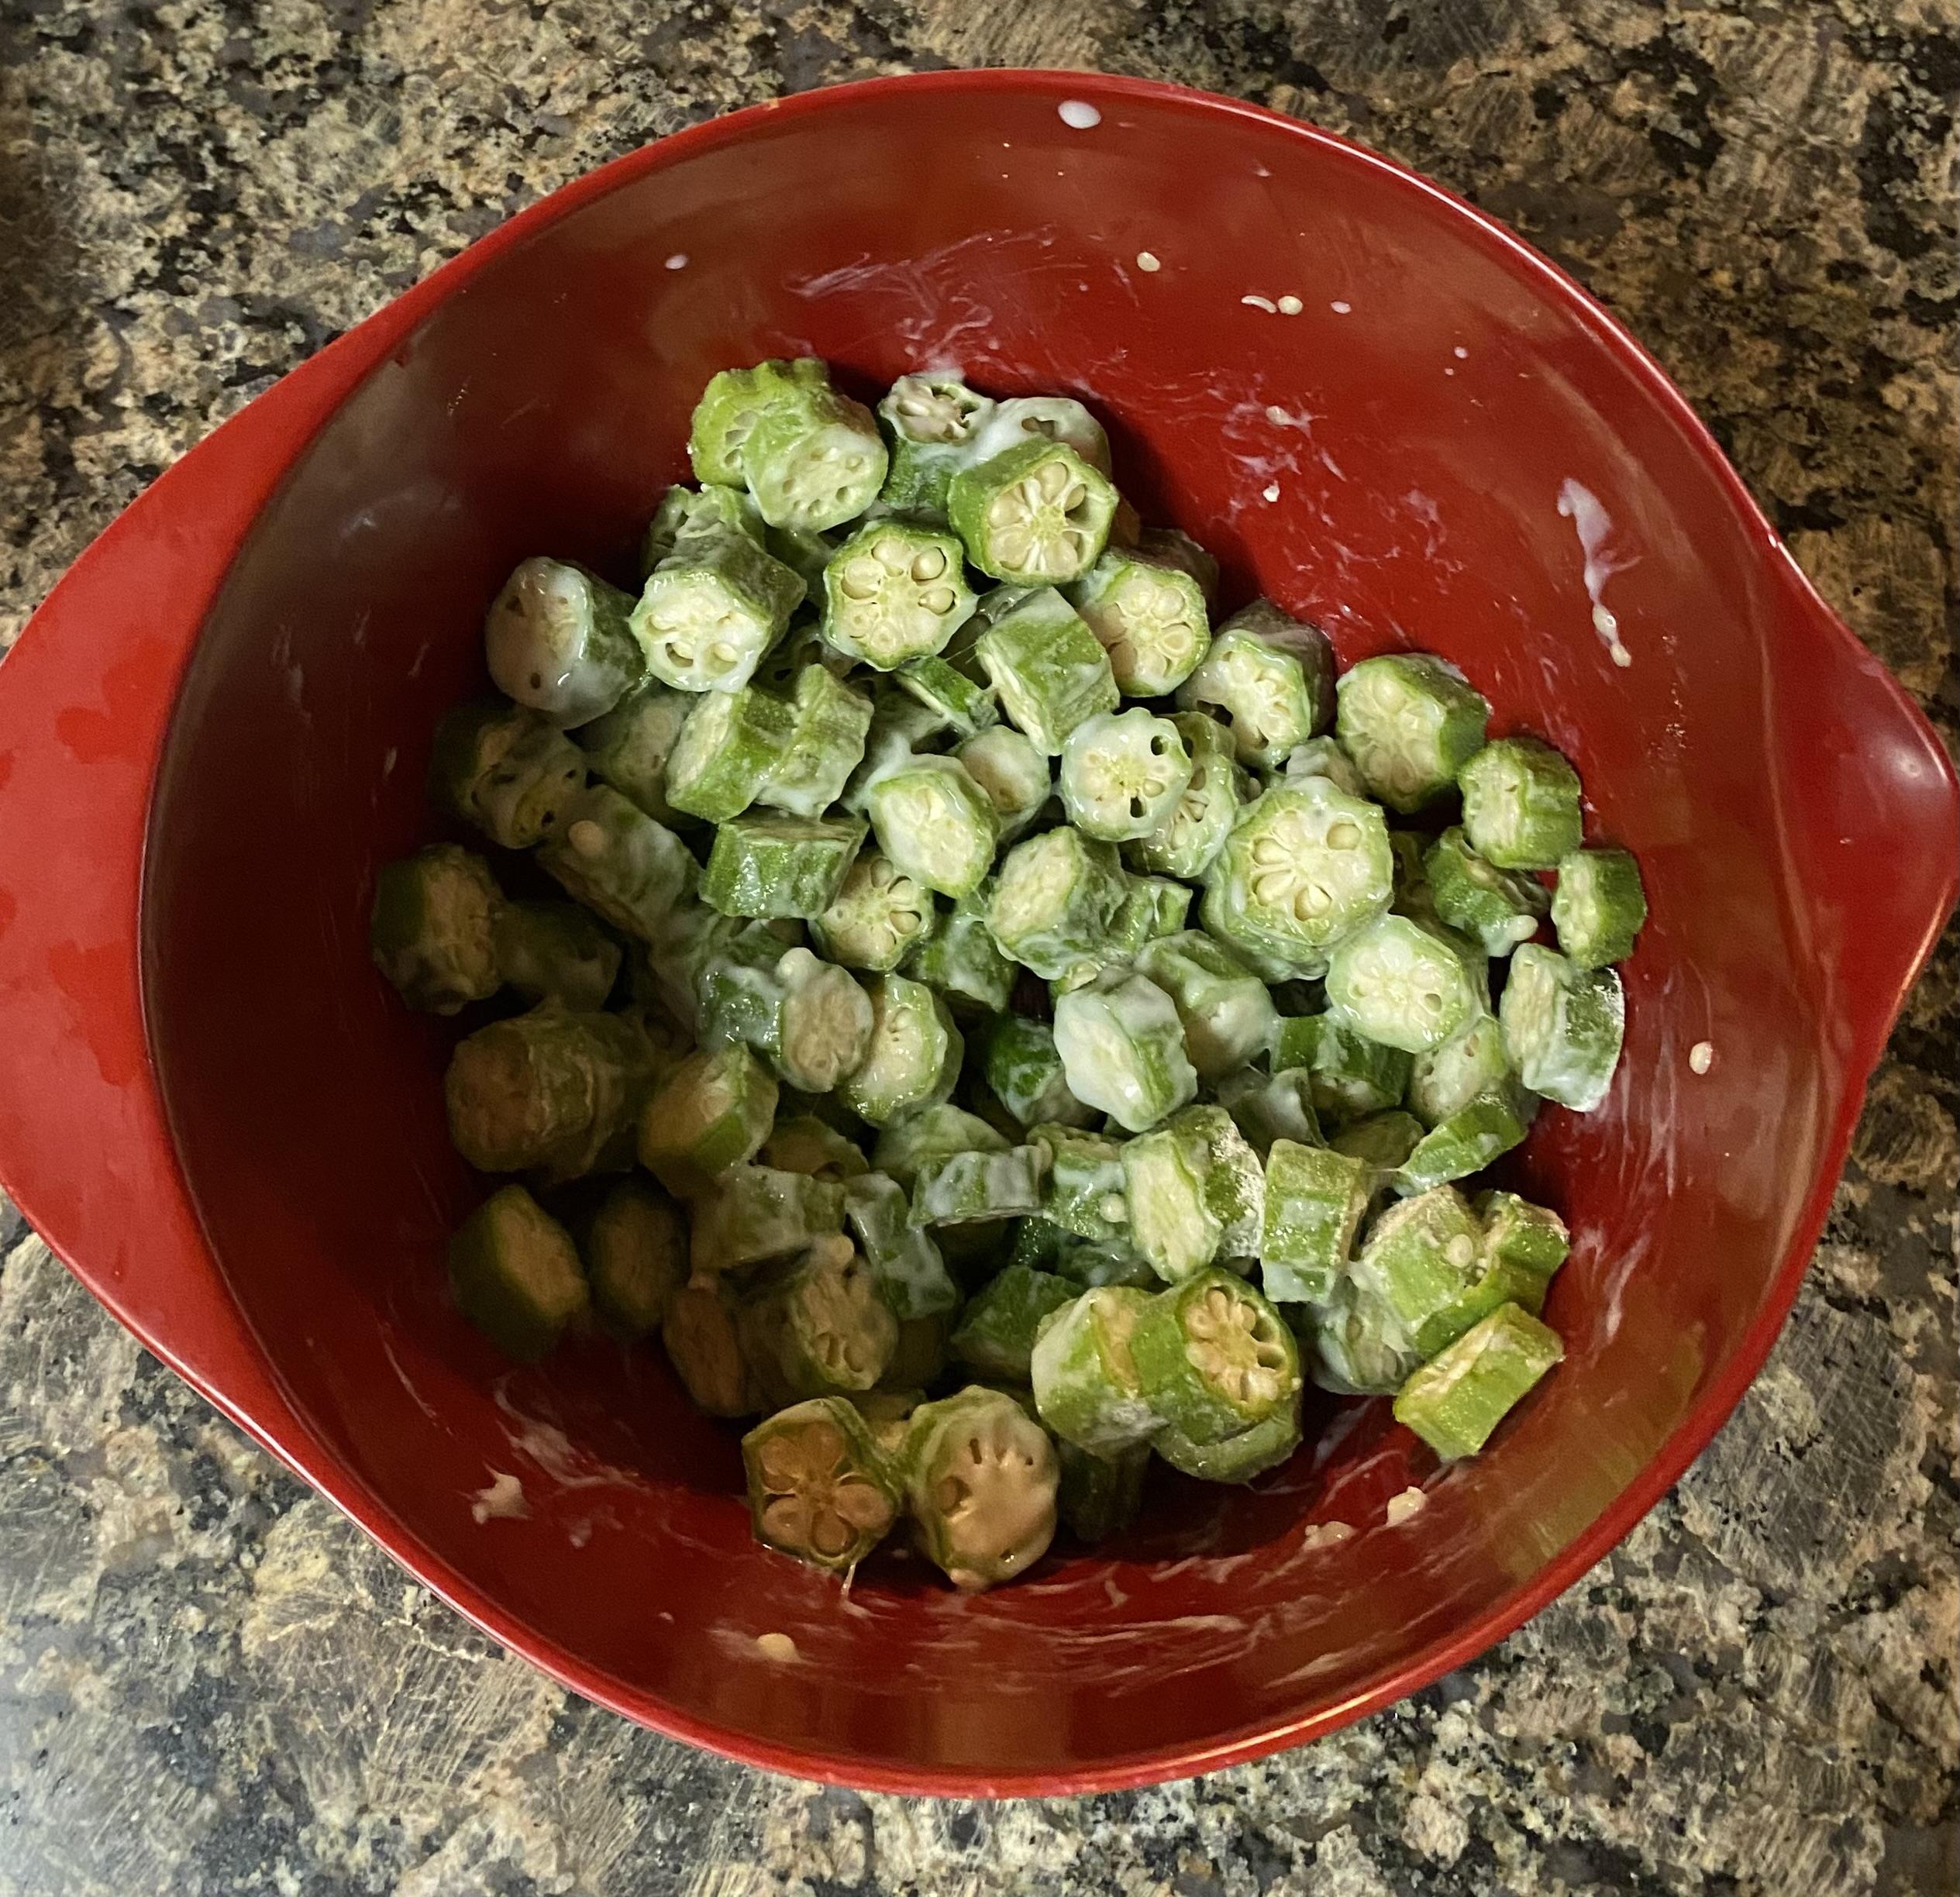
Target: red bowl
x,y
217,726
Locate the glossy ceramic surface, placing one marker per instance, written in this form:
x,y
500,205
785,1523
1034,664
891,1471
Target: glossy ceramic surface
x,y
217,728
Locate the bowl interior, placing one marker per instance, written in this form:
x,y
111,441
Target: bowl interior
x,y
1390,460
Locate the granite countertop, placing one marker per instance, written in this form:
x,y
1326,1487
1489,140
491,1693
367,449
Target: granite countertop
x,y
210,1683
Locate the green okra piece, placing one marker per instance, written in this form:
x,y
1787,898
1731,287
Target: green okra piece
x,y
1123,773
1085,1193
1352,1075
754,1215
1151,906
1016,777
1024,420
805,552
912,1140
780,865
895,591
1237,1458
813,459
1323,757
1213,1358
901,729
1171,546
1098,1496
628,870
1410,723
1195,1192
515,1273
558,639
1356,1346
704,1346
960,959
1187,841
995,1337
1122,1049
1045,665
1038,514
1498,1281
1419,1257
1226,1011
978,1188
931,423
1466,1142
802,1143
1055,899
879,916
913,1055
830,723
1454,1402
980,1487
1472,1061
1019,1062
509,771
1147,612
555,952
1384,1141
820,1488
734,401
1520,804
1225,918
697,514
807,1017
968,708
712,1114
1086,1388
1315,1199
1401,984
1519,1233
1563,1026
711,608
1270,1107
732,743
1599,907
433,931
936,823
628,747
636,1258
814,1323
909,1265
1269,677
1497,907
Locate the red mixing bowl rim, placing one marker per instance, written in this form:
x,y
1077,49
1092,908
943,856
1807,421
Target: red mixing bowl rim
x,y
336,372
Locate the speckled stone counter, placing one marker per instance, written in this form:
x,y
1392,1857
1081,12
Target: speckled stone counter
x,y
210,1683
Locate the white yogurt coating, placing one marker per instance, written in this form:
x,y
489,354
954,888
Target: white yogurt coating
x,y
1290,306
1701,1056
501,1499
1594,526
678,260
1400,1507
1262,303
1079,114
1146,260
1340,308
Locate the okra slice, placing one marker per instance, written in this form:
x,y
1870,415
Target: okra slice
x,y
1497,907
1023,420
960,959
555,952
433,929
1520,804
815,1325
1226,1011
806,552
1352,1075
558,639
936,823
819,1487
711,608
636,1258
730,746
1098,1496
1019,1062
1599,906
1315,1199
1472,1061
630,871
978,1188
714,508
1466,1142
1173,546
1225,918
1014,775
515,1273
628,747
909,1267
980,1487
1147,612
913,1057
803,1143
1085,1193
1419,1257
1234,1459
712,1114
931,423
1410,723
1454,1403
1151,906
1122,1049
1194,1192
780,865
1123,773
705,1347
509,771
1352,1345
997,1330
830,725
913,1140
1038,514
966,707
1563,1026
754,1215
1268,1107
1381,1141
894,591
807,1017
1213,1358
1055,898
1323,757
1517,1232
1044,666
1400,983
901,729
1189,838
724,418
1085,1381
1269,677
878,916
813,459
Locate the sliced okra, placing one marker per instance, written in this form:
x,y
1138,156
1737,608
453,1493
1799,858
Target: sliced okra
x,y
711,608
1147,612
931,424
805,551
712,1114
637,1257
815,1325
1122,1049
1352,1075
1400,984
1224,918
819,1487
1237,1458
1599,906
704,1346
1516,1232
1381,1140
1454,1403
1473,1061
980,1487
1226,1010
1016,777
909,1267
1410,723
754,1215
627,869
893,592
1022,421
1172,547
1563,1026
807,1017
515,1275
813,460
1123,773
1419,1257
912,1140
433,929
731,745
780,865
1085,1193
1038,514
695,514
802,1143
1465,1142
960,959
509,771
1520,804
830,723
1151,906
1353,1344
1268,1107
901,729
967,708
936,823
1213,1358
1055,898
1188,840
878,916
995,1337
1194,1191
724,418
558,638
1086,1384
912,1056
1323,757
978,1188
1098,1496
1497,907
1315,1199
555,952
1019,1062
1045,665
1269,677
629,747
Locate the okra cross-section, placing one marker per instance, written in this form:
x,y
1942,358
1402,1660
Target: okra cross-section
x,y
936,823
1357,1345
1122,1048
931,424
1055,898
815,1325
629,747
808,1017
776,867
515,1273
830,722
998,1327
1149,614
558,639
711,1114
1472,1061
734,400
894,591
753,1214
878,916
1045,665
1214,1357
627,869
1016,777
1019,1062
731,745
710,610
1038,514
1563,1025
1269,677
705,1347
1227,1010
433,930
813,459
1419,1257
1520,804
1410,723
819,1488
1599,906
1123,773
1315,1199
980,1487
913,1057
1194,1192
508,771
1454,1403
1400,983
1086,1383
1497,907
636,1258
1188,839
1477,1133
